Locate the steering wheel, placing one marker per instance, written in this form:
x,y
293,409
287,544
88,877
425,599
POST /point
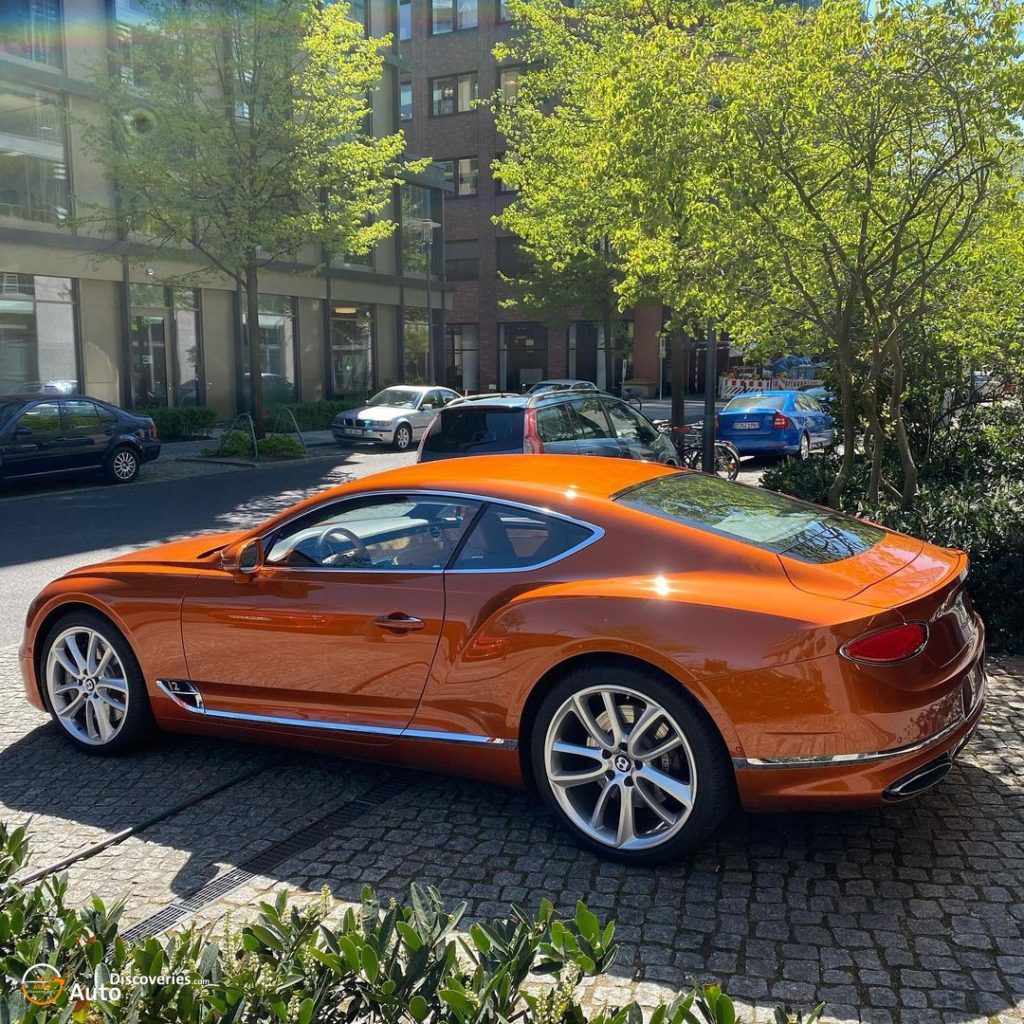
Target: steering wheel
x,y
325,552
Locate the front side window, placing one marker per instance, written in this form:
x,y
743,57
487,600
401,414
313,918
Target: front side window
x,y
762,518
453,94
408,533
628,424
33,156
507,537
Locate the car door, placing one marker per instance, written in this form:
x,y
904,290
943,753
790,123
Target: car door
x,y
88,432
636,436
428,407
821,419
557,429
35,443
594,435
338,627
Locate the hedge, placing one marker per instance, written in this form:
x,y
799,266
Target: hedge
x,y
182,422
312,415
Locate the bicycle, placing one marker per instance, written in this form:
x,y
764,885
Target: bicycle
x,y
629,396
689,444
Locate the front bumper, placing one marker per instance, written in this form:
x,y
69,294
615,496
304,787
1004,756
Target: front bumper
x,y
363,434
841,781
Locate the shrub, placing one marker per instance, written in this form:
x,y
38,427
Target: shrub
x,y
311,415
237,444
280,446
380,965
182,422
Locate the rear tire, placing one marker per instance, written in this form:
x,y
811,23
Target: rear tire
x,y
122,466
804,452
634,792
93,686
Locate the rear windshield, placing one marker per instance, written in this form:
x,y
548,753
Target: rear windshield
x,y
468,428
762,518
746,402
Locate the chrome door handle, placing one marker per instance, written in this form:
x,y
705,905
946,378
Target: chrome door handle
x,y
399,622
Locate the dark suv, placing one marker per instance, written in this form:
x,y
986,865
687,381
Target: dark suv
x,y
560,422
43,434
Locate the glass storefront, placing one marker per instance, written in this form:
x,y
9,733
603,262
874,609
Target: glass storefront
x,y
30,29
33,158
165,357
37,334
462,357
420,208
351,348
523,355
416,346
277,351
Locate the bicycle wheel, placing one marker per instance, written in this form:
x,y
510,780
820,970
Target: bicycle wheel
x,y
727,462
634,400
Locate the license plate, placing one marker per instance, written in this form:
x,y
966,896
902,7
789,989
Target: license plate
x,y
748,425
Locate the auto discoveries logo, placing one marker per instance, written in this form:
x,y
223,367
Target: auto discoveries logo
x,y
42,985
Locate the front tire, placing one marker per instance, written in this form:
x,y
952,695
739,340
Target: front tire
x,y
93,685
630,764
403,437
122,465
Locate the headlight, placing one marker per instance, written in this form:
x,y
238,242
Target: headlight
x,y
378,424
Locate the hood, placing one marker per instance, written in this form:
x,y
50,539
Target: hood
x,y
195,551
377,412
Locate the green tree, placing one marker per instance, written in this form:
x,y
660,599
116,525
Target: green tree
x,y
237,135
810,179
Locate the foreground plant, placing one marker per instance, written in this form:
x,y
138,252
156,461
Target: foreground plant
x,y
382,964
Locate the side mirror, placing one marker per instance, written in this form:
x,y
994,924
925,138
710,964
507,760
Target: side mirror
x,y
244,557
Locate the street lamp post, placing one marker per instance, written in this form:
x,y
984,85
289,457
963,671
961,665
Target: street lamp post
x,y
434,355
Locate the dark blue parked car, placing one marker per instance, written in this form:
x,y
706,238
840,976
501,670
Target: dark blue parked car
x,y
44,434
775,423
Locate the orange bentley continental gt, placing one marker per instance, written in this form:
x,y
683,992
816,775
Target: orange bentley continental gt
x,y
638,644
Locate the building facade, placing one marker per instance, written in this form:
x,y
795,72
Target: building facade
x,y
447,48
111,325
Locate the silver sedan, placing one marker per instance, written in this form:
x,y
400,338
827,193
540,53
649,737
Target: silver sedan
x,y
397,416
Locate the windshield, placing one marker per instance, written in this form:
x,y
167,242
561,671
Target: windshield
x,y
396,398
745,402
759,517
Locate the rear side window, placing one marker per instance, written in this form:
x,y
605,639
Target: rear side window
x,y
591,418
470,429
762,518
555,424
82,416
745,402
506,537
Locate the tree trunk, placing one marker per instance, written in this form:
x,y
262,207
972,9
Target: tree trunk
x,y
677,341
609,345
900,429
877,435
253,337
844,378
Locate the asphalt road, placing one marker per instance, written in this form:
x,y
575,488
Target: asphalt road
x,y
43,534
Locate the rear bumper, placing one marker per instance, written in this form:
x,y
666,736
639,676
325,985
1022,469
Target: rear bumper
x,y
762,445
150,451
838,782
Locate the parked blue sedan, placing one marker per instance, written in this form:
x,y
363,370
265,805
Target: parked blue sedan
x,y
775,423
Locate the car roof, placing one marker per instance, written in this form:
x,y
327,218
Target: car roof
x,y
568,484
507,401
415,387
45,396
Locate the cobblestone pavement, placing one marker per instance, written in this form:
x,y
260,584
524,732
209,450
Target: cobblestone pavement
x,y
913,913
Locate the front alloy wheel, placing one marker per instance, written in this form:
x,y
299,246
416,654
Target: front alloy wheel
x,y
630,766
93,684
403,437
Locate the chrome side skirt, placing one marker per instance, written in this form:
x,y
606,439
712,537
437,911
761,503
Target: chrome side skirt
x,y
187,696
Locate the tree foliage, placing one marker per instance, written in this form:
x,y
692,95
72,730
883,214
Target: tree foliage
x,y
237,133
823,178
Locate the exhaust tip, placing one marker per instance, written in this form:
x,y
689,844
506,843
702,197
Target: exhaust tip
x,y
919,779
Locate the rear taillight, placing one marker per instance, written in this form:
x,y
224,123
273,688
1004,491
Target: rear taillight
x,y
532,444
887,646
152,429
781,422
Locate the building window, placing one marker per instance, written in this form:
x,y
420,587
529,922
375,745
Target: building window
x,y
415,346
461,176
454,94
351,348
508,83
37,334
30,29
452,15
504,14
357,12
462,356
405,99
499,183
277,351
512,260
522,355
33,160
164,347
404,19
418,206
462,268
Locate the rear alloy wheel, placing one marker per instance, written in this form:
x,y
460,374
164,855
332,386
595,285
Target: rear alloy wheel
x,y
630,764
122,466
805,448
93,684
403,437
